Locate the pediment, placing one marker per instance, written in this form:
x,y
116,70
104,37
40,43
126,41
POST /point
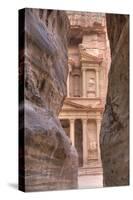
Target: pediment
x,y
85,57
71,105
90,55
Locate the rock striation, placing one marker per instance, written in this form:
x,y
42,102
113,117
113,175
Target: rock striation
x,y
47,160
114,137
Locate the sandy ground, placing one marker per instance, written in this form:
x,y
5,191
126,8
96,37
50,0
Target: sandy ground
x,y
93,181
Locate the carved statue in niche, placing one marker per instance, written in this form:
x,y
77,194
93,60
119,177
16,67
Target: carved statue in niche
x,y
91,83
92,138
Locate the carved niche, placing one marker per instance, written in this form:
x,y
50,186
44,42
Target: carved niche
x,y
91,83
76,82
92,139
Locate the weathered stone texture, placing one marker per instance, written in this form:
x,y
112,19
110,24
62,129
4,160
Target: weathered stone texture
x,y
51,162
115,124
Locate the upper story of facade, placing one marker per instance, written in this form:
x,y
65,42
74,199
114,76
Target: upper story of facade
x,y
88,61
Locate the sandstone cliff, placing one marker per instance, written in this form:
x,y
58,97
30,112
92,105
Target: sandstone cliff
x,y
115,124
48,158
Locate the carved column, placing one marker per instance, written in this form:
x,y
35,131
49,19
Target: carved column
x,y
97,83
76,85
68,85
85,142
84,82
98,122
72,131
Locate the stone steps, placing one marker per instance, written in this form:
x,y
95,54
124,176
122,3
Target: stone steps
x,y
90,171
92,168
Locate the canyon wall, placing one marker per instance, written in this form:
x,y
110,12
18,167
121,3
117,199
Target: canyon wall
x,y
47,160
114,136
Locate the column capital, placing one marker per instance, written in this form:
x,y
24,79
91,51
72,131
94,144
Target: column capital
x,y
98,120
83,68
72,120
97,69
84,120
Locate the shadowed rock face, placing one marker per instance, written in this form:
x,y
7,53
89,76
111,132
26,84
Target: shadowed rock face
x,y
114,136
50,162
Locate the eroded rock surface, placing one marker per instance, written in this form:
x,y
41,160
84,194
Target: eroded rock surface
x,y
50,162
115,123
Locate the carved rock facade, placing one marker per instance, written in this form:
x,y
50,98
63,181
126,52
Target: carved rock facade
x,y
89,60
49,160
115,123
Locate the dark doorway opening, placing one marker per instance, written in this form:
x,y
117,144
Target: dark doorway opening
x,y
79,140
66,126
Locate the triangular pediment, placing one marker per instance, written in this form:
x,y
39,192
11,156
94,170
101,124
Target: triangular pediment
x,y
71,105
85,57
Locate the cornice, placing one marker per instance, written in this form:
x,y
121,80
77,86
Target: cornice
x,y
79,107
